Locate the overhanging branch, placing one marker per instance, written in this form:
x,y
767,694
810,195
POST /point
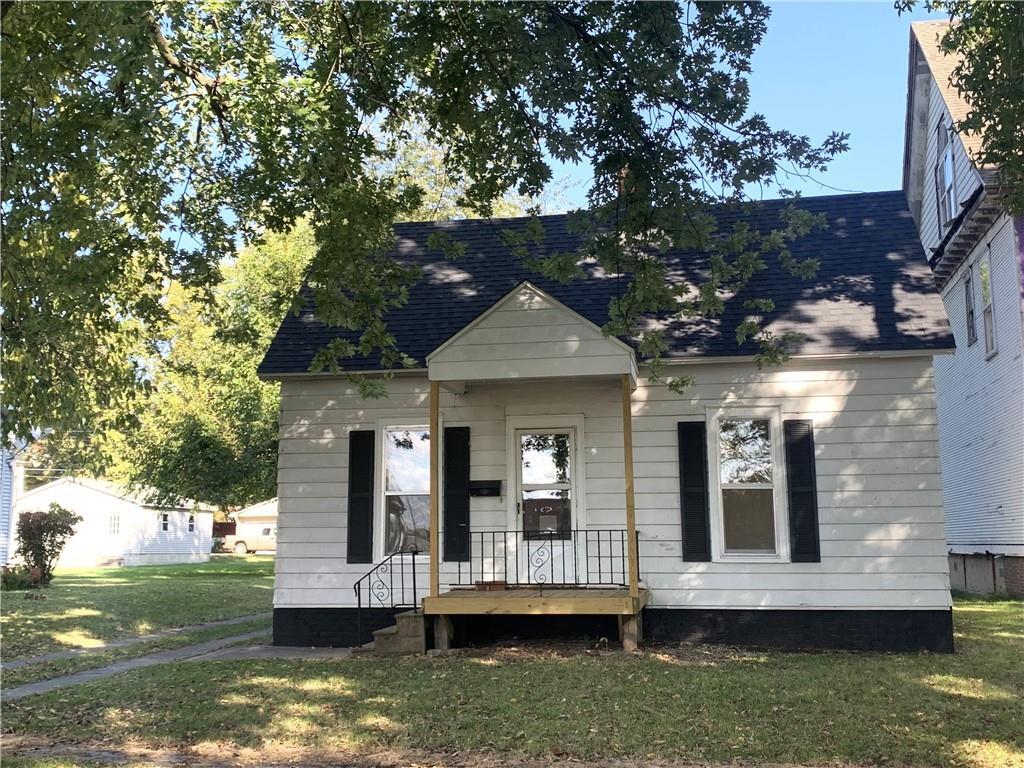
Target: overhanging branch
x,y
219,103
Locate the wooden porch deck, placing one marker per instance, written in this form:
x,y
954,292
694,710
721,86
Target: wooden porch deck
x,y
547,601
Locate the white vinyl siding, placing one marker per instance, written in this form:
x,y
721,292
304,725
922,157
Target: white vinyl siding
x,y
882,536
529,335
965,177
981,407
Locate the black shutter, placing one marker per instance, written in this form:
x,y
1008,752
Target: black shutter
x,y
693,491
803,491
455,483
360,496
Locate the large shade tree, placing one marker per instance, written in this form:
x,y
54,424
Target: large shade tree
x,y
206,427
143,141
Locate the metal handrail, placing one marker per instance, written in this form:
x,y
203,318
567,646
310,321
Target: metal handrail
x,y
384,592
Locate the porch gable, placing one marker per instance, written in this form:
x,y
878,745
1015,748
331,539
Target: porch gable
x,y
528,334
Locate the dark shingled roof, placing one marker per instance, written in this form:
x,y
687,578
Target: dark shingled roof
x,y
873,292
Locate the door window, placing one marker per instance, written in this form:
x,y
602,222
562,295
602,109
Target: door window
x,y
545,483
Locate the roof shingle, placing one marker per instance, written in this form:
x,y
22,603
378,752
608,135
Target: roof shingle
x,y
873,291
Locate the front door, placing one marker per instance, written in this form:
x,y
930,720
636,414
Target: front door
x,y
545,500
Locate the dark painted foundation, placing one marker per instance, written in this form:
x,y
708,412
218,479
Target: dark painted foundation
x,y
788,630
796,630
329,627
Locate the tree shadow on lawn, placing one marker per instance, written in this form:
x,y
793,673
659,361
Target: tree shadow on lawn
x,y
913,709
83,608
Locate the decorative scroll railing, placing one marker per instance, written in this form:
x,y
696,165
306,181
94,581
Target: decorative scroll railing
x,y
392,583
499,560
579,557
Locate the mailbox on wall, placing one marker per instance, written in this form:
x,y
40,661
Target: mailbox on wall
x,y
485,487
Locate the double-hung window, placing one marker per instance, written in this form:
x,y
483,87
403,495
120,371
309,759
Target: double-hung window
x,y
945,176
406,489
191,523
748,501
987,315
165,521
972,330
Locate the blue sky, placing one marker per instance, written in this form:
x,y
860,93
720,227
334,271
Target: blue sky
x,y
827,66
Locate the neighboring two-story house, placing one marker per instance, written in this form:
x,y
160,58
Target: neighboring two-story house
x,y
975,250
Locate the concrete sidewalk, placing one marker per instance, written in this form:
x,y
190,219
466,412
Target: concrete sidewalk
x,y
129,641
273,652
161,657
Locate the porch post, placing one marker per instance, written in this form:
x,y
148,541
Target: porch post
x,y
435,466
627,461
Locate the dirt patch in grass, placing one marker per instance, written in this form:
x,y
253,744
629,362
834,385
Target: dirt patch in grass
x,y
27,753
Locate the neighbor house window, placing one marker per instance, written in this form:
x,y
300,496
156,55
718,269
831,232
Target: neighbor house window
x,y
972,331
191,523
748,518
945,177
406,489
115,524
987,316
165,521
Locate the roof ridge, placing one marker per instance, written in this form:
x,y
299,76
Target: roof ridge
x,y
763,201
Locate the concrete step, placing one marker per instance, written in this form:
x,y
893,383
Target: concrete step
x,y
407,636
410,624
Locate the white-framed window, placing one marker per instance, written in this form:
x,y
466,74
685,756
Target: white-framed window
x,y
972,330
945,174
165,521
191,523
988,319
114,524
747,472
405,520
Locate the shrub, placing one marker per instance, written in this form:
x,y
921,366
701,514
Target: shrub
x,y
42,536
15,578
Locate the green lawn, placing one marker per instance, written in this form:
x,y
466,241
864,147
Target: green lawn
x,y
46,670
695,704
83,608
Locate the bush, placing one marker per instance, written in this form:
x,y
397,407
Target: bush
x,y
15,579
42,536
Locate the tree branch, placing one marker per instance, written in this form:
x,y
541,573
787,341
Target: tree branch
x,y
219,103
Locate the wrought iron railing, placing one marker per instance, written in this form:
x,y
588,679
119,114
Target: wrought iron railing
x,y
392,584
580,557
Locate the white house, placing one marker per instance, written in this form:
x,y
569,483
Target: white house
x,y
6,501
119,527
531,472
975,249
255,528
